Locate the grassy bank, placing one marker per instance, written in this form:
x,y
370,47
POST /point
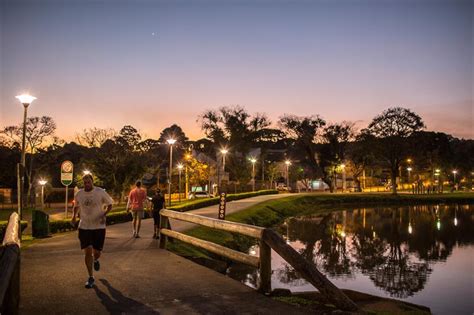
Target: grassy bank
x,y
274,212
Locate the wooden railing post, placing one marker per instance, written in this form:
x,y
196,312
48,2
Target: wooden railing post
x,y
265,268
308,271
164,223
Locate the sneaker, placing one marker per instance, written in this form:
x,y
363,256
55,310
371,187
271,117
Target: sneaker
x,y
90,283
137,236
96,265
154,235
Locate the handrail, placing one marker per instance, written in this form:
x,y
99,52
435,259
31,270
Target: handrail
x,y
269,240
12,231
10,267
244,229
263,261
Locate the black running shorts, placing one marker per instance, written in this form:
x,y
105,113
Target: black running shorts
x,y
94,238
156,217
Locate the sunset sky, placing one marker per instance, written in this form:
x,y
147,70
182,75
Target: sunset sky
x,y
154,63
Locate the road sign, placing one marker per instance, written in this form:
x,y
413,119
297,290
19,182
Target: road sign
x,y
222,204
66,173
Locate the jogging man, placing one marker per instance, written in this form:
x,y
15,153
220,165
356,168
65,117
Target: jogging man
x,y
89,204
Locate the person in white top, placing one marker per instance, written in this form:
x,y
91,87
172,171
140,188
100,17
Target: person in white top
x,y
92,204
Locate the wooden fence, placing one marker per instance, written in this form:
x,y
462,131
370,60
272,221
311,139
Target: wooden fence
x,y
268,240
10,267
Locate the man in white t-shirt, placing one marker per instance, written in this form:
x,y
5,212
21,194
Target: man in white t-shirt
x,y
90,203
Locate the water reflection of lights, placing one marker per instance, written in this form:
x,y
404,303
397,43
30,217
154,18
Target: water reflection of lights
x,y
410,229
455,221
438,224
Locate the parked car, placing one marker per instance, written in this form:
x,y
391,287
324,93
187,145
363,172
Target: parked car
x,y
199,194
282,187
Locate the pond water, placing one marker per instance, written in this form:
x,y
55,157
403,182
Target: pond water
x,y
419,254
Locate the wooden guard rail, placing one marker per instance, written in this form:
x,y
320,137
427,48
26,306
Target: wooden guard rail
x,y
268,239
10,267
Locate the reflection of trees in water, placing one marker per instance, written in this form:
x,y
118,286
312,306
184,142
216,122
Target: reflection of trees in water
x,y
286,274
323,245
380,244
401,278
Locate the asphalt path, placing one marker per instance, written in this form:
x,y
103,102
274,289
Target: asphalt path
x,y
136,277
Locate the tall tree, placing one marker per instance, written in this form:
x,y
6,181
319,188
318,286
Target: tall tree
x,y
335,139
173,132
303,132
95,137
390,131
39,130
239,131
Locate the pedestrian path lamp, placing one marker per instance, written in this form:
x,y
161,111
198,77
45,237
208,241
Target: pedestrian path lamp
x,y
454,178
287,163
25,100
180,168
170,142
343,167
253,160
42,182
409,169
224,152
187,157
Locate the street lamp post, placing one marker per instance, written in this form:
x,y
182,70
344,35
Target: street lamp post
x,y
187,157
436,174
343,166
288,163
454,179
409,169
170,142
42,182
26,100
180,168
224,152
253,160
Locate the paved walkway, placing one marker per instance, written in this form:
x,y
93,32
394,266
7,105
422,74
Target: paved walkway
x,y
136,278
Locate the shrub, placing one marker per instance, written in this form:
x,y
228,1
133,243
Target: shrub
x,y
214,201
112,218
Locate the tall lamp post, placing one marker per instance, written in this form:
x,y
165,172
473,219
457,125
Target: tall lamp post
x,y
170,142
187,157
343,166
42,182
26,100
409,169
253,160
454,178
438,182
224,152
288,163
180,168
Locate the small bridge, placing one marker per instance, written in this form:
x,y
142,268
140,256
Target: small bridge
x,y
139,277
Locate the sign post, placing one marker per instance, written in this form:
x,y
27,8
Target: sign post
x,y
66,179
222,204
